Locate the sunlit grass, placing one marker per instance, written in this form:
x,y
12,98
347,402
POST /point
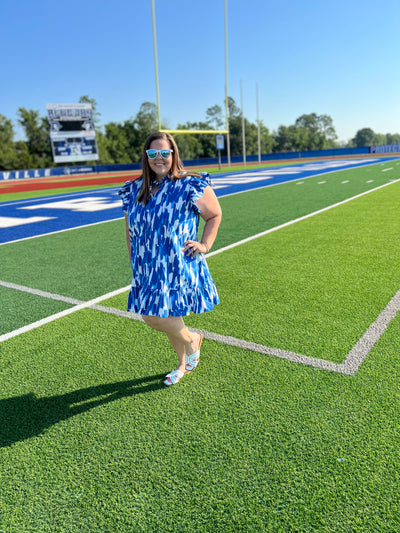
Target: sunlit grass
x,y
90,439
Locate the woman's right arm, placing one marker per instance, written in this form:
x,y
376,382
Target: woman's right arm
x,y
128,240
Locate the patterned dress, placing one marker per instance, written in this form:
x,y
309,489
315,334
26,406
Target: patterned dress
x,y
165,282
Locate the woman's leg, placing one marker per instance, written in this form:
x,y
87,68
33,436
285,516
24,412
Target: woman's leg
x,y
181,338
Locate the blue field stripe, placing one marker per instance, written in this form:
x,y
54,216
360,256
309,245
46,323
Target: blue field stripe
x,y
24,219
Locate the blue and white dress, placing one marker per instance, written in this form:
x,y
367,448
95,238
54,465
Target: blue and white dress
x,y
165,282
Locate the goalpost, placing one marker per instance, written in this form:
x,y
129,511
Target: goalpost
x,y
193,132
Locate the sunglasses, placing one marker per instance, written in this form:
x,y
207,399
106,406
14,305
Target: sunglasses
x,y
152,154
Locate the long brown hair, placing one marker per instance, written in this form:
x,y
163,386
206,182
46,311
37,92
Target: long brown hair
x,y
177,170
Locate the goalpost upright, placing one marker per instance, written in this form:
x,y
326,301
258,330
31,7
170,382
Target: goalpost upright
x,y
186,132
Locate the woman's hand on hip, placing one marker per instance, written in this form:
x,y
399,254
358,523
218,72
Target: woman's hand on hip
x,y
192,248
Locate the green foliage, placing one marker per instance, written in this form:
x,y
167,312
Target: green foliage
x,y
310,132
214,117
85,99
193,146
122,142
367,137
7,151
37,134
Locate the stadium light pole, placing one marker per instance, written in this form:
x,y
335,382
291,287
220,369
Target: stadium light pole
x,y
258,126
228,141
243,129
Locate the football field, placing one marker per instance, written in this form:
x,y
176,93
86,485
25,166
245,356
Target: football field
x,y
290,423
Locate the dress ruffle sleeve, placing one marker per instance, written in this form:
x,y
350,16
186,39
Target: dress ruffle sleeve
x,y
197,186
129,192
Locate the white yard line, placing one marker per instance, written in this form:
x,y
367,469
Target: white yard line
x,y
349,367
61,314
305,217
353,359
61,231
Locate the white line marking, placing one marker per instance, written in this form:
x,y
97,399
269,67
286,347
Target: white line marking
x,y
61,314
345,162
386,169
286,224
61,231
294,181
38,292
90,204
15,203
12,222
375,331
349,367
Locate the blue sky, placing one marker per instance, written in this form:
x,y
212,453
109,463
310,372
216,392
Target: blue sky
x,y
337,58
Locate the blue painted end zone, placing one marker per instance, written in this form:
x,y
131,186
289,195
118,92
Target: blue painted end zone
x,y
41,216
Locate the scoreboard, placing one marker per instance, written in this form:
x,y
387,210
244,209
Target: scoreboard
x,y
72,133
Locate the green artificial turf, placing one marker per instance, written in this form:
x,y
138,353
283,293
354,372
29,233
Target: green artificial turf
x,y
83,263
87,262
87,253
92,441
313,287
20,308
251,212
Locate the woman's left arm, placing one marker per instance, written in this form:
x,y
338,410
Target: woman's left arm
x,y
211,213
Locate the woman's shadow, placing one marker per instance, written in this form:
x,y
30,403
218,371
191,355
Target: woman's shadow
x,y
22,417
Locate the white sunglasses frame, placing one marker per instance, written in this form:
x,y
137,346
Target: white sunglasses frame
x,y
158,152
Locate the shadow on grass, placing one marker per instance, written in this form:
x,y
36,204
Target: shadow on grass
x,y
26,416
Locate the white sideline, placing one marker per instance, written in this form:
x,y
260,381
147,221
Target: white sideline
x,y
349,367
61,314
294,221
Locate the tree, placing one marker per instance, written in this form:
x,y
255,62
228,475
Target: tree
x,y
23,158
96,115
266,139
195,146
7,146
139,128
36,130
233,110
116,144
291,139
309,132
365,137
123,142
146,120
393,138
319,131
190,146
214,117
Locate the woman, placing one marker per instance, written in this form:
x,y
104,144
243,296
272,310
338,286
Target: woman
x,y
170,274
